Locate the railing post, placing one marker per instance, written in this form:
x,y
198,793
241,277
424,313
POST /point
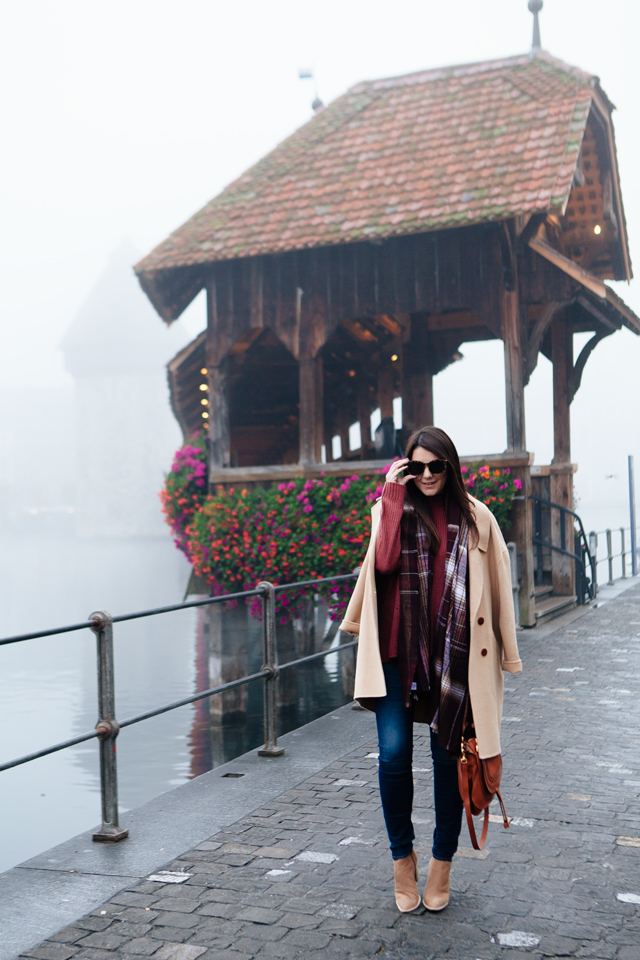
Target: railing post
x,y
270,657
108,730
593,550
623,554
632,517
609,556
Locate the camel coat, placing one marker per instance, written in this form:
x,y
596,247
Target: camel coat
x,y
493,644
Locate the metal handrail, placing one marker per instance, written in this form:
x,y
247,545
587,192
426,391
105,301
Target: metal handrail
x,y
592,586
139,614
610,555
108,728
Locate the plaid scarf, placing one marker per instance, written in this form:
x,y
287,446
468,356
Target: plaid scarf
x,y
439,664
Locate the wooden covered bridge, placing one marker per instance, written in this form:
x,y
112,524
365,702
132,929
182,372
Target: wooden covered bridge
x,y
347,267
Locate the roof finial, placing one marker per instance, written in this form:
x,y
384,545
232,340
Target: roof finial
x,y
535,6
306,74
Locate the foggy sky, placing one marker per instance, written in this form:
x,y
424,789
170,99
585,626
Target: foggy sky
x,y
121,120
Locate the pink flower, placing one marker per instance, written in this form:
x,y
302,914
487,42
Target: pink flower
x,y
464,469
308,508
517,483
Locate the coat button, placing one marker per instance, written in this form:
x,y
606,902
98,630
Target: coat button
x,y
480,620
484,653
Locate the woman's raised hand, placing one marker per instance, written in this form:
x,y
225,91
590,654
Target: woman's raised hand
x,y
395,470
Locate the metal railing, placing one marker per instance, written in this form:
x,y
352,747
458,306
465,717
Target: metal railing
x,y
609,534
108,727
585,588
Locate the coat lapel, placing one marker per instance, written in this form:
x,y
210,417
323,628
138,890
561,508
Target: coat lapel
x,y
476,561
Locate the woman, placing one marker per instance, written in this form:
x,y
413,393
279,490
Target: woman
x,y
434,611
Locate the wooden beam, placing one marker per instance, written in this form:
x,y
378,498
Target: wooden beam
x,y
311,409
599,315
537,334
454,320
519,463
573,270
585,353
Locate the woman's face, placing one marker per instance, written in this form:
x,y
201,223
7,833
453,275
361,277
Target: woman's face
x,y
428,484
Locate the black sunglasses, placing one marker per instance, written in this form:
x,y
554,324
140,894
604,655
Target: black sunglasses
x,y
436,467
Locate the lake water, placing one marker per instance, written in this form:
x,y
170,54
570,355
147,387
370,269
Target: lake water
x,y
48,687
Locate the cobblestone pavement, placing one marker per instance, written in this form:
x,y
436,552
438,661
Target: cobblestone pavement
x,y
310,874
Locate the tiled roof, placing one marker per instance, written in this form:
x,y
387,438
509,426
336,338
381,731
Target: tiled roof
x,y
409,154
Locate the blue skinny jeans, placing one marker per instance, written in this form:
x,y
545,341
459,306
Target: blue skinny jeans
x,y
395,740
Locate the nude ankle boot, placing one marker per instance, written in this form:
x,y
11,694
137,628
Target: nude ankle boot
x,y
436,892
405,874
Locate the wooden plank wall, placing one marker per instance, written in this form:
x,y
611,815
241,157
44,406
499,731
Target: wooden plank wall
x,y
304,295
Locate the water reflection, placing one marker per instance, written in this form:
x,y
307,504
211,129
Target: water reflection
x,y
48,686
228,646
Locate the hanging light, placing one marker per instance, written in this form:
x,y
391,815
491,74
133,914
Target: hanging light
x,y
205,414
204,371
597,229
204,386
204,402
394,357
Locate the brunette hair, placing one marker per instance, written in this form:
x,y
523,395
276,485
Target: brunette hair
x,y
441,444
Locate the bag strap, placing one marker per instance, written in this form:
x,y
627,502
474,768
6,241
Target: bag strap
x,y
466,799
505,818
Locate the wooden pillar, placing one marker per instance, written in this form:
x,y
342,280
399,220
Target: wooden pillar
x,y
364,416
311,409
513,371
385,389
219,441
521,532
417,379
562,568
522,518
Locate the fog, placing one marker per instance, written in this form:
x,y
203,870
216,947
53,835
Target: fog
x,y
119,122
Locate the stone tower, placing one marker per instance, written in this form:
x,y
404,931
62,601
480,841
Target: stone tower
x,y
125,432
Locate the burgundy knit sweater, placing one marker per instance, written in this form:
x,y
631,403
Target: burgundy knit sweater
x,y
388,566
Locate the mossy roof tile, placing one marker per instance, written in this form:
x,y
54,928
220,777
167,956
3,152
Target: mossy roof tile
x,y
464,143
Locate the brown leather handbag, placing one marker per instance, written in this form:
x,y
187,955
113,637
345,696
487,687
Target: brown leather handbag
x,y
479,783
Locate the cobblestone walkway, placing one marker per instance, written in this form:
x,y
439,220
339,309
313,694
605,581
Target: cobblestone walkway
x,y
310,875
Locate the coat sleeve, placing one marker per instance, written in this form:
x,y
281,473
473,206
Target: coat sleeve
x,y
353,613
388,538
504,621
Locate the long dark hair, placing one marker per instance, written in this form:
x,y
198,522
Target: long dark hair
x,y
441,444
